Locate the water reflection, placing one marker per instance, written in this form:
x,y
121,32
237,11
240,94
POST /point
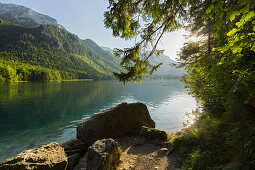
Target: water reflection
x,y
38,113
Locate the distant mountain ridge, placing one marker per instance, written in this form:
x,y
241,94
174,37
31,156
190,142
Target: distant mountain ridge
x,y
25,16
165,70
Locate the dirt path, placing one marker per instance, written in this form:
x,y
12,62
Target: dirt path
x,y
139,154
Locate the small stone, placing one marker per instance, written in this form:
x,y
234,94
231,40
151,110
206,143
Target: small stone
x,y
156,168
163,152
131,167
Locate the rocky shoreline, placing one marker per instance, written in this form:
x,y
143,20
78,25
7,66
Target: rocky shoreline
x,y
95,147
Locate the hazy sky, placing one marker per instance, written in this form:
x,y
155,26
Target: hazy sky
x,y
85,19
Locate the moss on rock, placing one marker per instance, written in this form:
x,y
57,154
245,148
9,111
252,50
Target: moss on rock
x,y
152,134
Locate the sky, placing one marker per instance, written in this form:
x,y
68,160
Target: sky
x,y
85,19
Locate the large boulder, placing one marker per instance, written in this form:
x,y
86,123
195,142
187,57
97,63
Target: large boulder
x,y
50,156
103,155
123,120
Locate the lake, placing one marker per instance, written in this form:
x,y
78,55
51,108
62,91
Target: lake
x,y
36,113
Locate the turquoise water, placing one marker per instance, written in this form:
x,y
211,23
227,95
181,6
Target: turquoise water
x,y
36,113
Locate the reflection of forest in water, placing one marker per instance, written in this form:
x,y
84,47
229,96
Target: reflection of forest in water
x,y
43,112
31,105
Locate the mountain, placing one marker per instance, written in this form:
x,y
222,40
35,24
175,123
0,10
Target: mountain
x,y
46,52
34,46
107,49
25,16
166,70
107,54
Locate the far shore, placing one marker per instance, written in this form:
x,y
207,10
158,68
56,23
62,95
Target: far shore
x,y
79,80
55,81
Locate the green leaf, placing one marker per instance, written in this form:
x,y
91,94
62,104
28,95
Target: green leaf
x,y
244,10
219,5
209,10
236,49
253,48
219,63
249,15
240,23
237,58
232,32
223,48
233,15
220,15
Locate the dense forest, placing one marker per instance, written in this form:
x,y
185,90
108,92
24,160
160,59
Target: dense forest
x,y
220,71
46,52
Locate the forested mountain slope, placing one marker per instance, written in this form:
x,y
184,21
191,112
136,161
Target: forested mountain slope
x,y
49,47
109,56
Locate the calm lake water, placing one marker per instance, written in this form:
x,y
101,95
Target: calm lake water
x,y
32,114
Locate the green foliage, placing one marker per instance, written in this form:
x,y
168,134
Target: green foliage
x,y
12,72
7,73
125,18
107,56
213,143
200,147
220,71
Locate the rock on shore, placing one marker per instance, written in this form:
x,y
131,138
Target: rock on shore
x,y
91,150
50,156
122,120
103,155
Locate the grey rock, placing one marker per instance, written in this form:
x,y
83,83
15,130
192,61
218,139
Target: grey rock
x,y
73,160
123,120
82,164
75,146
103,155
50,156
